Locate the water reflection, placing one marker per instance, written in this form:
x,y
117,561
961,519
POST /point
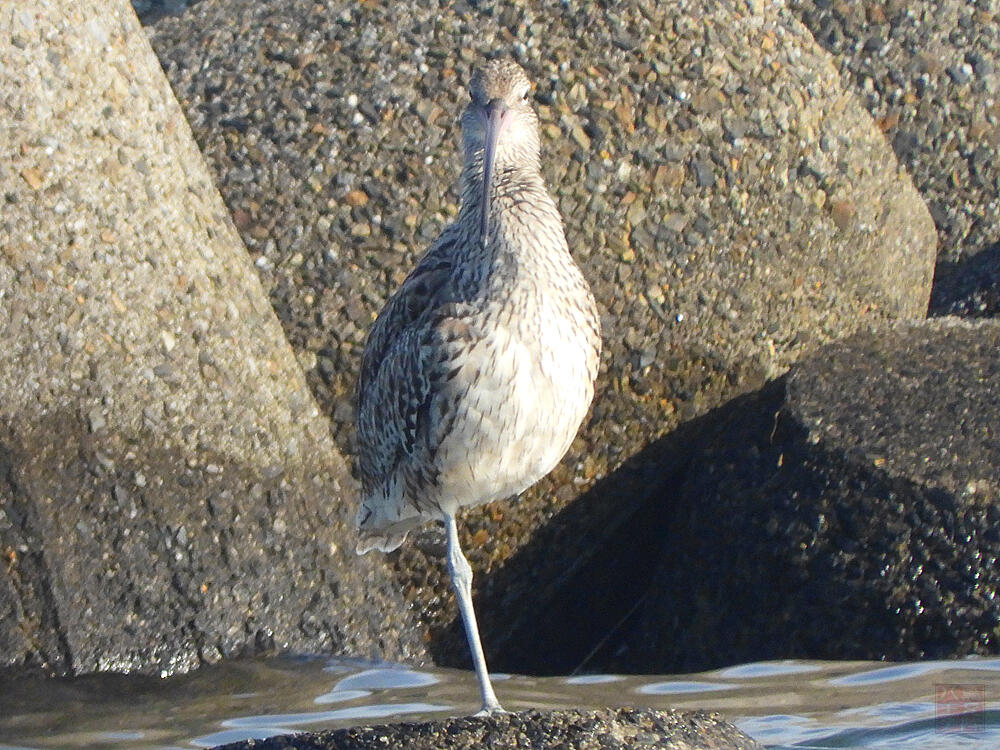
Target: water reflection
x,y
386,679
676,687
784,704
767,669
910,671
593,679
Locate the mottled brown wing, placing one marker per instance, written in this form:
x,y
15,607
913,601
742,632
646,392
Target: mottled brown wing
x,y
398,365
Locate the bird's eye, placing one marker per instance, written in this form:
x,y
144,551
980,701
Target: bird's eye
x,y
525,95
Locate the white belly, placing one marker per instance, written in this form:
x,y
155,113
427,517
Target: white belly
x,y
518,420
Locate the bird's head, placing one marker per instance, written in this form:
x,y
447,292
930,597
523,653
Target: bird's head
x,y
499,125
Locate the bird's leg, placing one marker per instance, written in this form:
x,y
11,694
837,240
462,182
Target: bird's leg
x,y
461,581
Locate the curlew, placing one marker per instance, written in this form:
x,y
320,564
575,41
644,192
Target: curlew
x,y
481,366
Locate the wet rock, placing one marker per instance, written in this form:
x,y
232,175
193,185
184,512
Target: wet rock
x,y
848,511
796,226
624,728
169,493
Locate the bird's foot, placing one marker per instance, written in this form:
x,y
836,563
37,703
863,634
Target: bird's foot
x,y
490,710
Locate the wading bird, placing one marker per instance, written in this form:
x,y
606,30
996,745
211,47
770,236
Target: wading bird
x,y
479,369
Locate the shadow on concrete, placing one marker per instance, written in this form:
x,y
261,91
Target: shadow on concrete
x,y
564,601
746,535
970,287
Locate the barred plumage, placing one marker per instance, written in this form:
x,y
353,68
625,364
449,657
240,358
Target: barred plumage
x,y
480,368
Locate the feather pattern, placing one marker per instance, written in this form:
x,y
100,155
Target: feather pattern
x,y
479,369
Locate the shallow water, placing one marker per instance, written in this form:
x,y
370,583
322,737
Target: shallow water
x,y
787,704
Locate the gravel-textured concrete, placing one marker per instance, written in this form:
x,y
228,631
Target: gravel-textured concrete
x,y
928,71
621,729
847,512
730,202
169,492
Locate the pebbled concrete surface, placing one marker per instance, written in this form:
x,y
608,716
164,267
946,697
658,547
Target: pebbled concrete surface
x,y
929,74
169,492
731,203
608,729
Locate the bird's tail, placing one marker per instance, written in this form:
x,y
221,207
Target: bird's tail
x,y
375,531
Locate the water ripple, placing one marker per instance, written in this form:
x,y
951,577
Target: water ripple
x,y
677,687
783,704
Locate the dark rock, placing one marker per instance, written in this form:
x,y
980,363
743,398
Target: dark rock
x,y
982,66
169,494
610,729
702,173
960,74
848,511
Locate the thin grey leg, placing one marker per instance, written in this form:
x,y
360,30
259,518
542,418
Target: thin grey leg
x,y
461,581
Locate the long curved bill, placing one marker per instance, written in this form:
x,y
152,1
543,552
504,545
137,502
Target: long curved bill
x,y
495,120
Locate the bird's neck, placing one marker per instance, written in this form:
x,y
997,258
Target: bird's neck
x,y
509,181
508,173
524,227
